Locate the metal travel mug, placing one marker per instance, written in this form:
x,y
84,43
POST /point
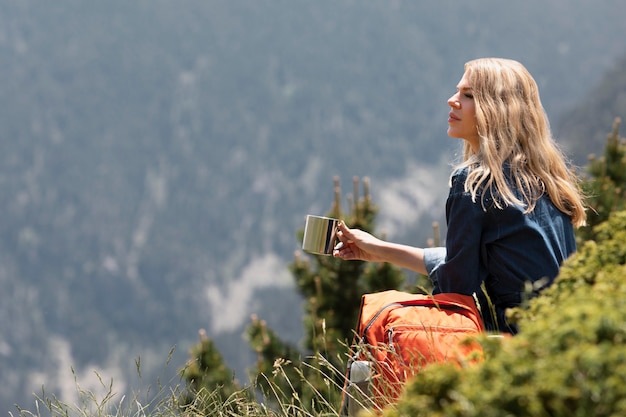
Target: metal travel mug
x,y
320,235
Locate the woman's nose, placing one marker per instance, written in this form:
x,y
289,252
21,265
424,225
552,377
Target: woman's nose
x,y
454,102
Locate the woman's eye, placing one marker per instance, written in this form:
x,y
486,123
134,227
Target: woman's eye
x,y
468,95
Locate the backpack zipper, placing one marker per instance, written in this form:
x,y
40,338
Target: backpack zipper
x,y
419,303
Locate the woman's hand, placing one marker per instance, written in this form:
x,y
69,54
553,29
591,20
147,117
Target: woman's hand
x,y
356,244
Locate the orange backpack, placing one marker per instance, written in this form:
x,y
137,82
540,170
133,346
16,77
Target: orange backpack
x,y
398,334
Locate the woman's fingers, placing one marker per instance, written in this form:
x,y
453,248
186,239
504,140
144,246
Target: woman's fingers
x,y
343,251
346,247
340,249
343,232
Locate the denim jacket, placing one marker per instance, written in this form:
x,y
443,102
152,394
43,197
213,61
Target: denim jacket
x,y
502,247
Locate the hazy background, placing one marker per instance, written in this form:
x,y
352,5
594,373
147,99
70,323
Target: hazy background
x,y
157,157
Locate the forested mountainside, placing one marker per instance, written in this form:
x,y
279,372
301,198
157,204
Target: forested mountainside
x,y
157,157
585,127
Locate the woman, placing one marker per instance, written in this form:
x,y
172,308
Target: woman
x,y
513,203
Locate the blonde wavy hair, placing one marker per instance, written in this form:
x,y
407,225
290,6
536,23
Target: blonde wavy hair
x,y
513,128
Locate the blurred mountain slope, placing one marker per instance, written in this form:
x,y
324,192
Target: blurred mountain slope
x,y
156,155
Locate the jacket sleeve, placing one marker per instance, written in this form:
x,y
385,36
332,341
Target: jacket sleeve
x,y
433,258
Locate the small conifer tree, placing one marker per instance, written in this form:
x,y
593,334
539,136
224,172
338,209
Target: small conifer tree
x,y
606,184
209,380
332,290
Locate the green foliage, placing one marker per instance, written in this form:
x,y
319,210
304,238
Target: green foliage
x,y
606,189
209,380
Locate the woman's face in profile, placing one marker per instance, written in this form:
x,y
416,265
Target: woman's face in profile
x,y
462,116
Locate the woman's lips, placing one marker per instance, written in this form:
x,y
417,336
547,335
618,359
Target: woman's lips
x,y
452,117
